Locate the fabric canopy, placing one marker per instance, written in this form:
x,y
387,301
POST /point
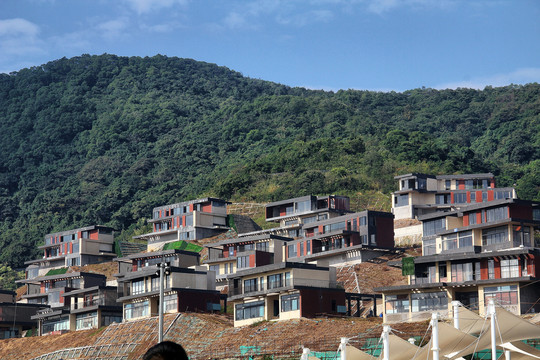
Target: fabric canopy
x,y
522,348
353,353
451,340
509,328
470,322
400,349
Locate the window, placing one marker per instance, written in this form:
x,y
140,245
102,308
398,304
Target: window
x,y
290,302
250,285
494,235
291,222
401,200
242,262
262,246
287,279
397,304
496,214
170,303
472,218
136,310
491,269
321,217
137,287
509,268
465,239
310,219
428,247
55,325
477,270
442,199
261,283
447,185
431,227
503,195
189,220
249,310
107,319
363,221
429,301
536,214
334,227
292,251
303,206
308,247
462,272
449,242
275,281
364,239
86,321
503,295
460,198
473,196
484,196
520,231
301,249
215,268
231,251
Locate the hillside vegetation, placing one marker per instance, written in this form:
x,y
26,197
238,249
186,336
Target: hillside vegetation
x,y
103,139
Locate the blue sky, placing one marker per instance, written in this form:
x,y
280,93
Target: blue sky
x,y
378,45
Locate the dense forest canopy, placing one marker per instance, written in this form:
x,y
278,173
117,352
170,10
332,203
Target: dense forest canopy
x,y
103,139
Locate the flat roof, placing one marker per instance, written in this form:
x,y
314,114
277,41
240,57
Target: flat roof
x,y
249,239
86,228
155,254
272,267
189,202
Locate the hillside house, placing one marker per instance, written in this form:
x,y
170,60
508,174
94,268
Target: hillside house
x,y
228,256
50,290
482,251
76,247
285,291
189,220
15,318
353,237
93,307
421,194
188,287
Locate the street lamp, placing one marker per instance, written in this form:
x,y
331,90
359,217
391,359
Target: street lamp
x,y
164,268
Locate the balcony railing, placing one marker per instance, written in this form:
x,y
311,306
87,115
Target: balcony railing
x,y
283,285
88,303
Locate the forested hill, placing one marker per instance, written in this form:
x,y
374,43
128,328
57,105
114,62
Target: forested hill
x,y
103,139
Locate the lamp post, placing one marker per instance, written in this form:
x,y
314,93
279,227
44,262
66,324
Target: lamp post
x,y
163,269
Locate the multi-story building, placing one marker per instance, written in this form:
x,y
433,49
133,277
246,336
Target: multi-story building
x,y
50,290
93,307
482,251
292,214
353,237
285,291
188,287
15,318
76,247
421,194
189,220
228,256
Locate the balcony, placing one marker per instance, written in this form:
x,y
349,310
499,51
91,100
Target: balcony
x,y
88,303
283,285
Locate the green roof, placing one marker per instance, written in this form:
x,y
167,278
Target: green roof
x,y
182,245
57,271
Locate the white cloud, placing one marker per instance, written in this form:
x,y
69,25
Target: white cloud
x,y
19,37
303,19
114,28
161,28
18,27
519,76
146,6
383,6
235,21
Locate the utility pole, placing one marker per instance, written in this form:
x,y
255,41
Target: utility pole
x,y
163,269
